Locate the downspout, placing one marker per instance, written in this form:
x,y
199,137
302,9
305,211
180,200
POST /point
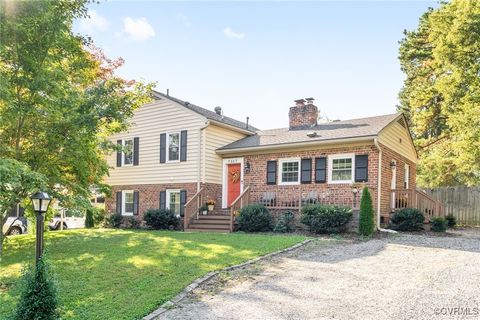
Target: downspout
x,y
200,147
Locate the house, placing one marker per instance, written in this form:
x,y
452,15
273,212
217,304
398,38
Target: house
x,y
177,155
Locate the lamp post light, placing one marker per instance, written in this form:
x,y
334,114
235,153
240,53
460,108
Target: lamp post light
x,y
41,202
355,192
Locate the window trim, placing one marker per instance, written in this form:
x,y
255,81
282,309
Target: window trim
x,y
123,152
280,171
124,212
330,167
167,198
406,176
167,146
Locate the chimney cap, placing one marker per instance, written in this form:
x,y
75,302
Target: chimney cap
x,y
218,110
299,101
310,100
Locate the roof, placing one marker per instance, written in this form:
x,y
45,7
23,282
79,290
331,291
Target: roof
x,y
211,115
336,130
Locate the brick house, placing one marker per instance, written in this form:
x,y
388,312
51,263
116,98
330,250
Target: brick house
x,y
177,155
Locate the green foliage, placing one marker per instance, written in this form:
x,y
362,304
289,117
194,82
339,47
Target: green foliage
x,y
366,224
114,220
325,218
255,218
285,223
38,299
162,219
441,93
439,224
407,220
132,223
451,220
89,222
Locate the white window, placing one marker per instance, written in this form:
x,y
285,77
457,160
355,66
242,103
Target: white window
x,y
127,203
127,155
289,172
340,168
406,180
173,146
173,201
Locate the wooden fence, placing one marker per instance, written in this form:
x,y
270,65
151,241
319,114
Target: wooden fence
x,y
462,202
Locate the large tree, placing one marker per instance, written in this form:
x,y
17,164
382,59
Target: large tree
x,y
441,93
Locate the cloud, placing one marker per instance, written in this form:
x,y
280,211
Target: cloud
x,y
138,29
95,22
232,34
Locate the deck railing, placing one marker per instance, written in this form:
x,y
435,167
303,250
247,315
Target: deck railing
x,y
192,207
410,198
242,200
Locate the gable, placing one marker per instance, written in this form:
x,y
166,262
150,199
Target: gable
x,y
396,136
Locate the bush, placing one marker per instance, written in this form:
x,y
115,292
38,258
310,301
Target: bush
x,y
451,221
89,223
366,224
439,224
326,219
114,221
285,223
161,219
255,218
132,223
38,299
407,220
98,216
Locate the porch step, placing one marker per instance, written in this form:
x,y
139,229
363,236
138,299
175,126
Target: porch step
x,y
198,225
207,230
214,217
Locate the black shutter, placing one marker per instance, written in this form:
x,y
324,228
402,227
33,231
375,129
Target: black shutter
x,y
135,202
271,172
119,153
361,168
183,200
136,146
183,145
163,148
163,200
119,203
306,170
320,170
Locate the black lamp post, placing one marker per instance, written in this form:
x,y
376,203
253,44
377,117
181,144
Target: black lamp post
x,y
41,201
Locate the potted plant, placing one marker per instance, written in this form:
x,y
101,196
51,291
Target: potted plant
x,y
203,210
210,204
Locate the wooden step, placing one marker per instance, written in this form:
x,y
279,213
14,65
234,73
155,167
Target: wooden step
x,y
209,226
208,230
213,217
211,221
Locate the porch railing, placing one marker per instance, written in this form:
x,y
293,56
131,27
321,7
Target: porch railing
x,y
241,201
192,207
410,198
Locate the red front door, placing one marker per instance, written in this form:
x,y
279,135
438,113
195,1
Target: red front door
x,y
233,182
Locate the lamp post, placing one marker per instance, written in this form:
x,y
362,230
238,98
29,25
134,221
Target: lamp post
x,y
41,201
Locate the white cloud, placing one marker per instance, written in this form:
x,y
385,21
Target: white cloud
x,y
232,34
138,29
95,22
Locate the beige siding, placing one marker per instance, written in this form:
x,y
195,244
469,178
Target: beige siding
x,y
216,137
148,123
396,137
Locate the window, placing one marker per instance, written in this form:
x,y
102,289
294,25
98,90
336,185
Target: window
x,y
173,201
173,144
341,168
127,204
289,171
406,182
128,152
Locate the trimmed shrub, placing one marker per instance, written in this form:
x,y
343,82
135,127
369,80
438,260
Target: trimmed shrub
x,y
255,218
114,221
285,223
38,299
408,219
439,224
326,219
451,220
98,216
89,223
132,223
366,224
162,219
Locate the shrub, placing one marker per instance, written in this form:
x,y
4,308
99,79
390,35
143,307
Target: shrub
x,y
132,223
114,220
162,219
285,223
89,223
98,216
407,220
38,299
255,218
451,220
366,223
439,224
326,219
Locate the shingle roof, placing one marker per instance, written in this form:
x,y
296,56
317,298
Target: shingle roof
x,y
211,115
364,127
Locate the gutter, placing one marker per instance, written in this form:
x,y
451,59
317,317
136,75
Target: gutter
x,y
200,147
228,126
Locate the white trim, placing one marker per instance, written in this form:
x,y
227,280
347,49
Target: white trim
x,y
393,183
123,153
406,177
167,200
379,183
124,213
330,167
225,164
280,171
167,151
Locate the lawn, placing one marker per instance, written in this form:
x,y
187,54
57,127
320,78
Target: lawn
x,y
121,274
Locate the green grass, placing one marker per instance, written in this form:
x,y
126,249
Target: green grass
x,y
121,274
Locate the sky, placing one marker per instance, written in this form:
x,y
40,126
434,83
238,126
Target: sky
x,y
254,58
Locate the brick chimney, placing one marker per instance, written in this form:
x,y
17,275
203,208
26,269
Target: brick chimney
x,y
303,116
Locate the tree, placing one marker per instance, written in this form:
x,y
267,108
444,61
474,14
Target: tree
x,y
441,93
366,225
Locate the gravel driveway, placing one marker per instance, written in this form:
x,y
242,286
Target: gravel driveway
x,y
396,277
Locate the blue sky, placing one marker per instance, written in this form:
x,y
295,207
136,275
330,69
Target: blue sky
x,y
254,58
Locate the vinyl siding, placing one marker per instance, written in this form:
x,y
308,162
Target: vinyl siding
x,y
148,123
397,138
